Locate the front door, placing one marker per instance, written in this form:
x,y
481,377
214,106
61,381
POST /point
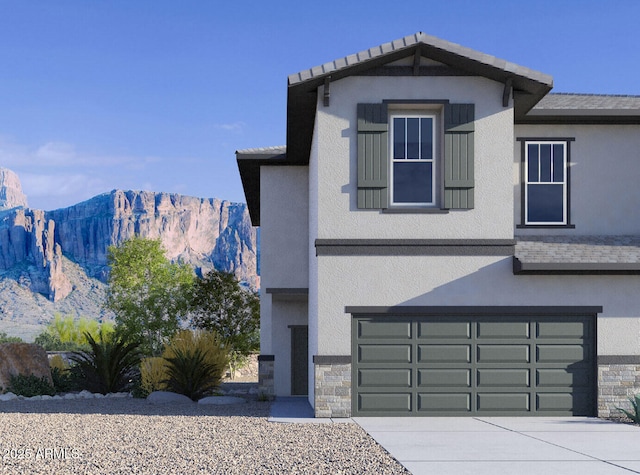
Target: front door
x,y
299,360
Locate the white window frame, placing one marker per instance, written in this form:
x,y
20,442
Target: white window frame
x,y
434,157
564,182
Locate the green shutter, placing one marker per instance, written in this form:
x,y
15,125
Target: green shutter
x,y
458,156
373,161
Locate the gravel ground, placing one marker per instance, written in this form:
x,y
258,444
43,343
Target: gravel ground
x,y
132,436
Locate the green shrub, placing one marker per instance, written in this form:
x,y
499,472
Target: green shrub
x,y
153,373
52,343
195,363
66,380
110,364
4,338
30,385
634,414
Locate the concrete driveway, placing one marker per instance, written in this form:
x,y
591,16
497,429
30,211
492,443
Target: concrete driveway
x,y
508,445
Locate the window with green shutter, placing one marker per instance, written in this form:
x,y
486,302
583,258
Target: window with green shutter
x,y
398,160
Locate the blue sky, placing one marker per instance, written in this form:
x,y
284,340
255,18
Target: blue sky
x,y
158,95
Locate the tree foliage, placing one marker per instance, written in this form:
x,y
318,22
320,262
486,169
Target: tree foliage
x,y
220,304
65,333
148,293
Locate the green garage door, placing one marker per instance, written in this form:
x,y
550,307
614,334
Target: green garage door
x,y
474,365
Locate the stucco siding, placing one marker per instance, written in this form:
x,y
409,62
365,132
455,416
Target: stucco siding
x,y
468,281
313,261
604,189
338,216
284,214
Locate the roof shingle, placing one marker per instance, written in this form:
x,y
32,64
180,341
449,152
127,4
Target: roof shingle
x,y
578,249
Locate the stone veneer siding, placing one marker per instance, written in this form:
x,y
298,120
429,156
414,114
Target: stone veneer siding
x,y
618,380
266,382
332,386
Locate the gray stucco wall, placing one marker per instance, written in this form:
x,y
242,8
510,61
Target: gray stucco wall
x,y
338,216
469,280
284,211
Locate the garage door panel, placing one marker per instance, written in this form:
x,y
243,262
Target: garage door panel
x,y
376,378
560,353
576,402
456,378
384,353
504,402
385,402
520,378
438,329
503,353
567,329
563,401
564,377
444,402
384,329
504,329
444,353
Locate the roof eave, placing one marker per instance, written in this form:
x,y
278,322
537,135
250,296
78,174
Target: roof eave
x,y
249,164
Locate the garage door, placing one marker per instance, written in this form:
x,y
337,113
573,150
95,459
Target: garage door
x,y
474,365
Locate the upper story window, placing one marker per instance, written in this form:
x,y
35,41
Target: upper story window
x,y
413,164
415,156
546,181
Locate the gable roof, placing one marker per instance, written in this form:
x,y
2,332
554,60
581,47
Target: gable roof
x,y
529,86
429,46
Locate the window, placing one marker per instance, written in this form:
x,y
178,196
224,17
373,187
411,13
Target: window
x,y
413,173
402,165
545,183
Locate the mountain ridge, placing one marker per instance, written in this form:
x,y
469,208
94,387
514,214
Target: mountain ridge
x,y
56,261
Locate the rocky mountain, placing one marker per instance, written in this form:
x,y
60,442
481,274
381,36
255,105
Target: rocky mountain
x,y
11,194
56,261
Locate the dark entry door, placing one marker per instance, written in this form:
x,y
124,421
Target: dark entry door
x,y
299,360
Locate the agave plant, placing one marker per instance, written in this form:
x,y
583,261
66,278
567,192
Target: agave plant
x,y
634,414
195,364
107,368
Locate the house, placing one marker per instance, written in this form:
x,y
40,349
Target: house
x,y
442,235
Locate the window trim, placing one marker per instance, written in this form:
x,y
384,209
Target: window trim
x,y
524,141
434,160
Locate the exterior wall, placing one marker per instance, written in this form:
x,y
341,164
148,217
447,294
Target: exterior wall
x,y
284,210
313,262
470,280
601,157
482,280
338,216
604,164
334,213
